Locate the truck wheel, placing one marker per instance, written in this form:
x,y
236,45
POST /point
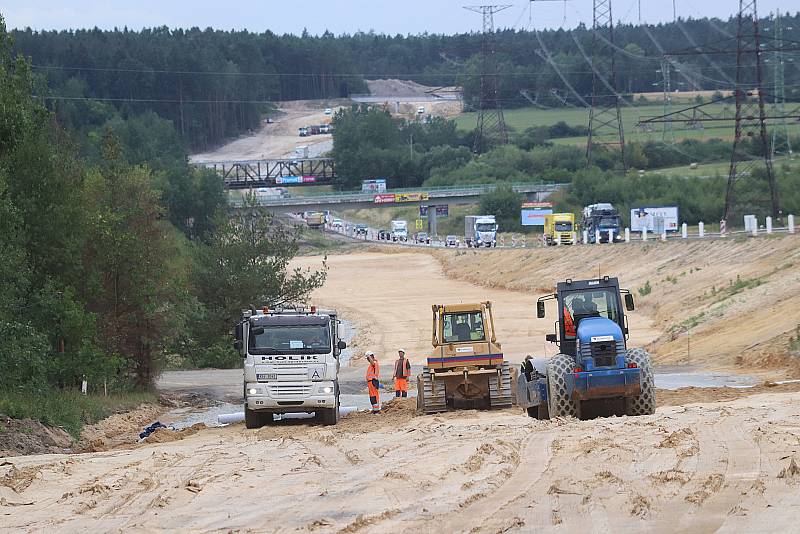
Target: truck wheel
x,y
253,419
559,403
645,402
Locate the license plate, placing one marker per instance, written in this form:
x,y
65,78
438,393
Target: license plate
x,y
266,376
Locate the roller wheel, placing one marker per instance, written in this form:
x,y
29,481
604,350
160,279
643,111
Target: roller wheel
x,y
559,403
645,402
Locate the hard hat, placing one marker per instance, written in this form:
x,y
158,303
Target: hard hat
x,y
369,353
401,350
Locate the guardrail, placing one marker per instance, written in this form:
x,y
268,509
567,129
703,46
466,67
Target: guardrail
x,y
341,197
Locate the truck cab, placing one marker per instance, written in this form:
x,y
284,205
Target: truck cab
x,y
291,363
559,229
602,219
480,231
399,231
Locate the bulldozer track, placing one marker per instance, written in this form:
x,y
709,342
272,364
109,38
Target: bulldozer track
x,y
432,398
500,393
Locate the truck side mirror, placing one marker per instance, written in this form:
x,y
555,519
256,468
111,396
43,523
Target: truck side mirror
x,y
239,332
341,345
552,338
238,344
540,309
629,305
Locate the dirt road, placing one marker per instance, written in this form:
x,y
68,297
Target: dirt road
x,y
718,466
279,139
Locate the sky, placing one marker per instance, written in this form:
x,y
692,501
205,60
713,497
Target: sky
x,y
344,16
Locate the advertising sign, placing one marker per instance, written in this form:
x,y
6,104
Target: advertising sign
x,y
384,199
373,186
410,197
656,219
441,211
284,180
309,179
534,217
538,205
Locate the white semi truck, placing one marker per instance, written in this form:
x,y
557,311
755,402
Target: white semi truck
x,y
399,231
291,363
480,231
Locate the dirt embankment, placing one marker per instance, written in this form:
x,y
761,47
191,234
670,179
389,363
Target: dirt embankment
x,y
738,299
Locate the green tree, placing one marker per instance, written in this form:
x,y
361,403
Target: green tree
x,y
506,205
247,263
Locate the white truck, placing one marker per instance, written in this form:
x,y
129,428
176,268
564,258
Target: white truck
x,y
291,363
399,231
480,231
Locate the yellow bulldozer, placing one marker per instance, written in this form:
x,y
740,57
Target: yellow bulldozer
x,y
466,369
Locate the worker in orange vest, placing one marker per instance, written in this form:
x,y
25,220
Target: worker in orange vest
x,y
402,370
373,382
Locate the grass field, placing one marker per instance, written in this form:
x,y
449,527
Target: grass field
x,y
520,119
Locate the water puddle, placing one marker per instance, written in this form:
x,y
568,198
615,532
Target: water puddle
x,y
676,377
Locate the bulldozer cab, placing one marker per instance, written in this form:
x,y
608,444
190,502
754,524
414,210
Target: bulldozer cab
x,y
578,300
463,335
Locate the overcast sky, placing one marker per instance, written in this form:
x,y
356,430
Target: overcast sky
x,y
342,16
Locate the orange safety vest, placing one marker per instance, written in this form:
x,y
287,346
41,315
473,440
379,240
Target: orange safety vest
x,y
569,324
373,371
402,370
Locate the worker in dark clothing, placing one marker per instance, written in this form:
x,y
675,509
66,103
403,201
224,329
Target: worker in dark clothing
x,y
373,377
462,331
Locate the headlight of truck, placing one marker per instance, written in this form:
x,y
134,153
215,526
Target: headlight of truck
x,y
254,391
326,389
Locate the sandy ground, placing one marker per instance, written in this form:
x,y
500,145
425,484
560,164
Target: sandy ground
x,y
279,139
705,466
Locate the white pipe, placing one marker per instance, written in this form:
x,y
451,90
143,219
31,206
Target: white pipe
x,y
791,224
701,229
627,235
769,225
238,417
684,231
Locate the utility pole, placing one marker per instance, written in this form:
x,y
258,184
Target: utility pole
x,y
667,134
779,104
605,120
491,125
750,121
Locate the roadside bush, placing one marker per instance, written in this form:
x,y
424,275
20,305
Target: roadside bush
x,y
218,356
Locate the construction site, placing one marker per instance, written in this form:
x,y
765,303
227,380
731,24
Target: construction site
x,y
602,384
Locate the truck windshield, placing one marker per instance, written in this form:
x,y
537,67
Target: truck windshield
x,y
486,227
609,222
466,326
589,303
563,227
301,339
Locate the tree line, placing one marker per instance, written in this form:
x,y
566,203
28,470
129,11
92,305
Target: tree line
x,y
115,256
213,85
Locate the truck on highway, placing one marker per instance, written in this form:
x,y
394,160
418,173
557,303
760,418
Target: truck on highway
x,y
291,363
480,231
315,219
559,228
399,231
603,218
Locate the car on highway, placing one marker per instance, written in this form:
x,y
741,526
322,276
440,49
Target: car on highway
x,y
324,128
451,241
361,229
384,234
421,110
337,223
328,111
303,132
424,238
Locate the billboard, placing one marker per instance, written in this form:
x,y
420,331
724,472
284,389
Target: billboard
x,y
656,219
441,211
410,197
384,199
537,205
284,180
373,186
535,217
